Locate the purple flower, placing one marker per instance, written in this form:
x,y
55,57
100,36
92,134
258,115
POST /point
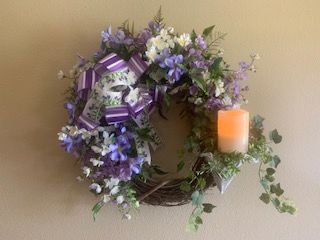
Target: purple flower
x,y
71,111
144,36
120,148
154,26
200,42
174,64
121,38
193,90
135,164
69,143
107,34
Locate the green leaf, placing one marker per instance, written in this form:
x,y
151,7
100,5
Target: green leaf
x,y
270,171
207,31
264,183
96,208
198,220
257,121
276,161
265,197
276,202
185,186
180,165
193,35
269,178
200,83
275,136
191,225
289,208
216,64
276,189
197,198
208,207
202,183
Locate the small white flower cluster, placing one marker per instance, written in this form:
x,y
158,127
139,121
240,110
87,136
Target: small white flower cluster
x,y
155,45
183,40
165,39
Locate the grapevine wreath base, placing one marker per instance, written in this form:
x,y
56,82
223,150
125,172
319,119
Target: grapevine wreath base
x,y
132,75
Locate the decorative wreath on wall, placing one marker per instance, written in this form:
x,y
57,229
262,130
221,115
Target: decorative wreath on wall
x,y
132,76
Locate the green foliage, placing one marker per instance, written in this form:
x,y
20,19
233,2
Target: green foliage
x,y
158,18
275,137
260,149
96,208
208,207
208,31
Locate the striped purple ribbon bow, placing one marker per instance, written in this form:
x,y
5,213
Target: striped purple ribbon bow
x,y
127,108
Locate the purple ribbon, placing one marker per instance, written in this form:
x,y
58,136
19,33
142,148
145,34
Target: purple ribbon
x,y
113,114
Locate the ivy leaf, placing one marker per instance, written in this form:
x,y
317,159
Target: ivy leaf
x,y
276,189
269,178
96,208
180,165
207,31
275,136
196,198
257,121
185,186
276,202
265,197
270,171
264,183
198,220
200,83
208,207
276,161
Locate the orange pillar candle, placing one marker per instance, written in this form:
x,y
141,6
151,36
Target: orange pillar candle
x,y
233,130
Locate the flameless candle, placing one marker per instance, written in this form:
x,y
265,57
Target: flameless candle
x,y
233,130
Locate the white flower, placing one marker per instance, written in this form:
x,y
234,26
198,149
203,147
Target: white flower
x,y
120,199
85,134
183,40
96,162
96,187
137,204
62,136
151,53
105,150
127,216
220,52
158,43
131,78
170,29
106,198
73,130
114,190
198,101
219,88
110,183
86,171
133,96
96,149
255,56
227,101
107,138
60,75
79,178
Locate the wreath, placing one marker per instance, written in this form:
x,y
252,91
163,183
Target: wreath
x,y
133,76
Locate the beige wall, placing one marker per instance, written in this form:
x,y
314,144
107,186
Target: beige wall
x,y
39,197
